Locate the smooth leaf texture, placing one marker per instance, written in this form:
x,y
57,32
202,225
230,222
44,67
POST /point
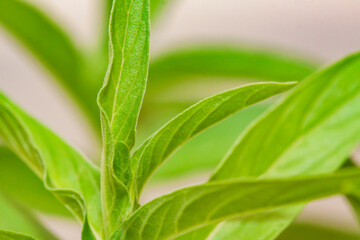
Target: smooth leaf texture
x,y
301,231
16,218
188,209
219,62
120,100
66,173
20,183
312,131
192,121
5,235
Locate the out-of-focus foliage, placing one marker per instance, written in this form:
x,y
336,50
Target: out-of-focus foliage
x,y
301,231
16,218
28,189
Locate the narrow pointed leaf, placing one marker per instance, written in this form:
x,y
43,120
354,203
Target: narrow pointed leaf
x,y
16,218
312,131
66,173
192,121
191,208
204,152
120,100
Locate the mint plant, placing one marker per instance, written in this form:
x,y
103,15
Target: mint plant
x,y
286,158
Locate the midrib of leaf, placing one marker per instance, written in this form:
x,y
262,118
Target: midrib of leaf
x,y
322,186
121,69
294,143
311,128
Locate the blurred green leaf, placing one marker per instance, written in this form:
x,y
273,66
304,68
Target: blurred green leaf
x,y
15,218
53,48
156,7
120,100
20,183
195,207
312,131
65,172
5,235
156,149
301,231
224,62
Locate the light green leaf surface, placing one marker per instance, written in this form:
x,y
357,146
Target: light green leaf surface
x,y
312,131
66,173
191,208
16,218
120,100
20,183
192,121
5,235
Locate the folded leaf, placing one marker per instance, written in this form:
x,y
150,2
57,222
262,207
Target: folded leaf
x,y
20,183
312,131
120,100
66,173
5,235
16,218
192,121
192,208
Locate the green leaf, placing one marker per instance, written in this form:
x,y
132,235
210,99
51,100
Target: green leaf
x,y
16,218
5,235
219,62
192,208
120,100
66,173
204,152
312,131
301,231
192,121
20,183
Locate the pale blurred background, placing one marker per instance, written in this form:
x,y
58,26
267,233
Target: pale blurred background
x,y
324,30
